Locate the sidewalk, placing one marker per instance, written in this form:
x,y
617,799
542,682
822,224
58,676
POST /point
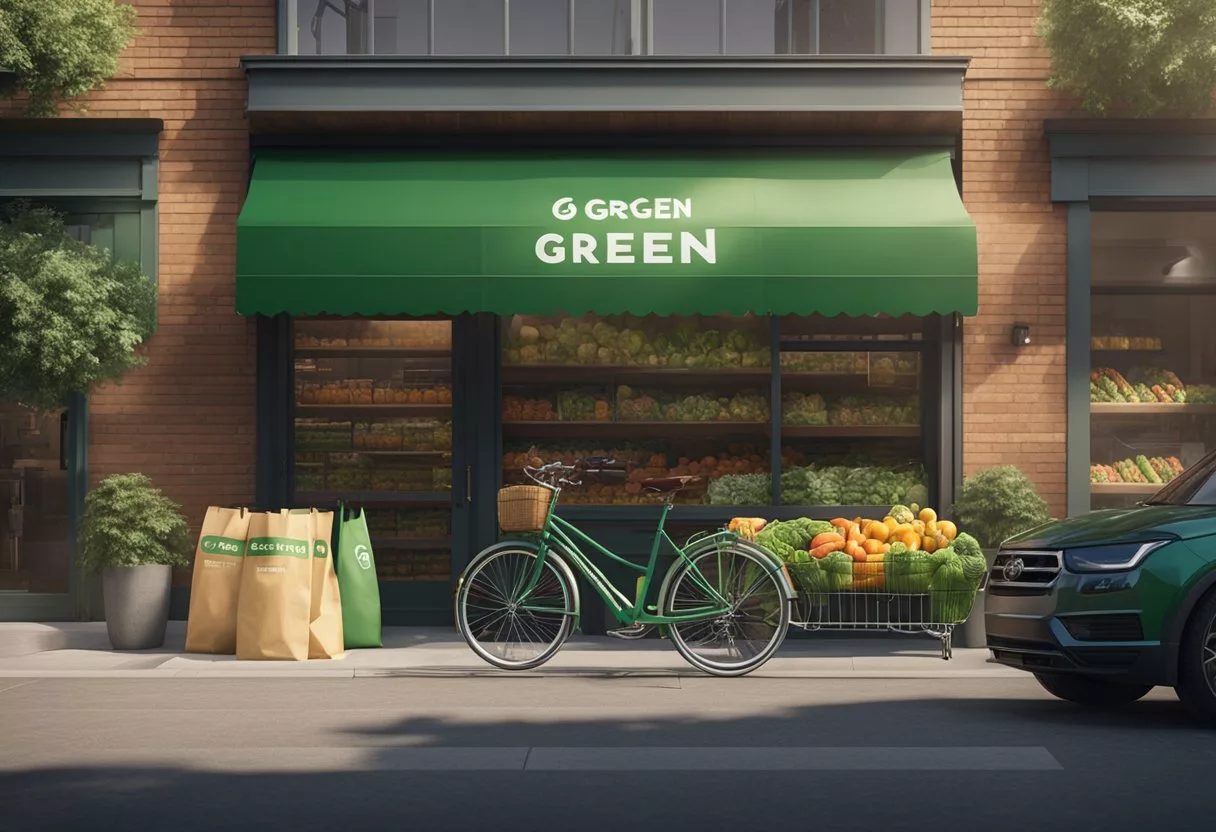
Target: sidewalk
x,y
82,650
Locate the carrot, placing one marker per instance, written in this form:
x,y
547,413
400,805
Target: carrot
x,y
827,548
826,537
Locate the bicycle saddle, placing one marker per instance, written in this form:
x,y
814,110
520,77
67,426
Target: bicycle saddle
x,y
666,485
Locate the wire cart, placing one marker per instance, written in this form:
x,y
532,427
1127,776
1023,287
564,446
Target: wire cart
x,y
933,613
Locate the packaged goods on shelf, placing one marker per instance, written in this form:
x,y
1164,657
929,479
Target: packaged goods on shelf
x,y
844,363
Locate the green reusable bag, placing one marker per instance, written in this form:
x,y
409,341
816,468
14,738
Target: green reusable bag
x,y
357,583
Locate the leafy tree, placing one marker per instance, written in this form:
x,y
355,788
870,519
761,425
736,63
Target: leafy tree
x,y
62,49
70,315
1147,57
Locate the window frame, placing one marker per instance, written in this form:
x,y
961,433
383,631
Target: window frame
x,y
641,39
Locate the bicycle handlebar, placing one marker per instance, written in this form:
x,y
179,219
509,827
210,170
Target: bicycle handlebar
x,y
557,474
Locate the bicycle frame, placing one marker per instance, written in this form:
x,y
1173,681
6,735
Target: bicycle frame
x,y
564,536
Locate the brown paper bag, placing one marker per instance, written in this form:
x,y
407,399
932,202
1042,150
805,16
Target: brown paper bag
x,y
276,588
325,628
211,624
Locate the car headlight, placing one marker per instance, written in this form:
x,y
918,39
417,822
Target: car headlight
x,y
1114,558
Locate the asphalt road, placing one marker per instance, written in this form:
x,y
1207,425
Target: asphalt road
x,y
638,752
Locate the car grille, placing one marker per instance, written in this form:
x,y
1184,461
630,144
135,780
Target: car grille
x,y
1103,627
1024,573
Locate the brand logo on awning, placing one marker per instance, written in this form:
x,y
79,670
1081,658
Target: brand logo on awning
x,y
626,247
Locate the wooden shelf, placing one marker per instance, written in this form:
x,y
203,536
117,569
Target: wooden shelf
x,y
357,412
1124,488
1148,408
369,352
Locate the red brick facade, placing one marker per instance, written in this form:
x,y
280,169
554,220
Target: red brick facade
x,y
188,418
1006,187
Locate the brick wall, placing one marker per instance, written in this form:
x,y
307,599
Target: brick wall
x,y
1014,399
187,419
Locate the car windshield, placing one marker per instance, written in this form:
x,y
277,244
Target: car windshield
x,y
1195,487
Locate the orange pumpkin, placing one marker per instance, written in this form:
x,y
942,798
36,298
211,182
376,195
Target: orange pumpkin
x,y
928,515
910,539
873,547
947,528
890,522
929,544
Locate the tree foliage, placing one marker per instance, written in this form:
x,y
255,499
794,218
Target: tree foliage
x,y
70,315
62,49
128,522
998,503
1145,57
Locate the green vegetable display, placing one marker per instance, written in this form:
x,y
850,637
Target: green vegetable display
x,y
803,409
838,572
635,405
740,490
843,486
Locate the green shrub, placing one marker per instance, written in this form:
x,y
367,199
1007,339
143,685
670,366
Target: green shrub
x,y
128,522
998,503
1144,57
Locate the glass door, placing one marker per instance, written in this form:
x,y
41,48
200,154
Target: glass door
x,y
373,428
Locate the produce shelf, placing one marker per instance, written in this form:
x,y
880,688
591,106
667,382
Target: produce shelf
x,y
370,498
391,542
1140,408
1126,488
354,412
374,452
528,373
613,429
369,352
850,431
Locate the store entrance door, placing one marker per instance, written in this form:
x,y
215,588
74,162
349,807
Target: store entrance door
x,y
382,423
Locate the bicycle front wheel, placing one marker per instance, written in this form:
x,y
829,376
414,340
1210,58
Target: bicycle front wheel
x,y
504,622
746,636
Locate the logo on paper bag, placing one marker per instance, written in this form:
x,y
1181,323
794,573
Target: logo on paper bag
x,y
280,546
216,545
320,549
364,556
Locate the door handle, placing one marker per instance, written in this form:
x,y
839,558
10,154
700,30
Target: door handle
x,y
468,484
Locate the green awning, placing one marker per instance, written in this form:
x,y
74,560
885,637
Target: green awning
x,y
839,232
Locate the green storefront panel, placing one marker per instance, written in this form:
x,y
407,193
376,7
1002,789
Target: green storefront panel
x,y
842,232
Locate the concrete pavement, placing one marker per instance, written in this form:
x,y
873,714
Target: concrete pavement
x,y
82,650
591,753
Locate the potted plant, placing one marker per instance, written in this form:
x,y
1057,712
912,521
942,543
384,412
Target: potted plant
x,y
133,535
995,504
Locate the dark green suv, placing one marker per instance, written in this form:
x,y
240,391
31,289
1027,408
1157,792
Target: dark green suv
x,y
1102,608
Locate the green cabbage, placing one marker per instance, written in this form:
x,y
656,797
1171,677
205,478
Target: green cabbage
x,y
838,571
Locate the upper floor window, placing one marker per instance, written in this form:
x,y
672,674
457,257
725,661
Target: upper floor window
x,y
607,27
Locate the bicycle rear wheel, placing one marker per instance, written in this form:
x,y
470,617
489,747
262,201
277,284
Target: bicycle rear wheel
x,y
506,624
746,637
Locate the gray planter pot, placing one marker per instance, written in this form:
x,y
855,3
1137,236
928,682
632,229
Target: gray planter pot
x,y
137,605
972,632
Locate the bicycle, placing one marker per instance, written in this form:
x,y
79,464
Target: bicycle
x,y
725,603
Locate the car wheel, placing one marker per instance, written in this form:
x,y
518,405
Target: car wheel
x,y
1085,690
1197,663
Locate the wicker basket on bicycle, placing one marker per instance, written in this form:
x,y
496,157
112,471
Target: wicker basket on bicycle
x,y
523,508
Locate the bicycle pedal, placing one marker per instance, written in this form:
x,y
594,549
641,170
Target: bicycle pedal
x,y
632,632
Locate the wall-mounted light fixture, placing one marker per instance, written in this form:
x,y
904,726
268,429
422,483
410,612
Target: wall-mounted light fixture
x,y
1021,335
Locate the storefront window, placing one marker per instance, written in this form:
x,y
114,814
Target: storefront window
x,y
692,395
35,529
373,426
666,396
851,412
1153,378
